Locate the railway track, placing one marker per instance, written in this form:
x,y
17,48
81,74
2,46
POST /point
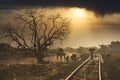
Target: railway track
x,y
90,69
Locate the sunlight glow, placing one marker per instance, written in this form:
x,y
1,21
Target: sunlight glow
x,y
79,11
79,17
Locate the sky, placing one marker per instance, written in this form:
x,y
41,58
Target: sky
x,y
93,22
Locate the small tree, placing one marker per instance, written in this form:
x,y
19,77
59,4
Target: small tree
x,y
36,32
104,49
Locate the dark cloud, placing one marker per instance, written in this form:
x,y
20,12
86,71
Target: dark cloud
x,y
98,6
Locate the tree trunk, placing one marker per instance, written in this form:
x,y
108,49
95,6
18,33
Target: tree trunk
x,y
40,57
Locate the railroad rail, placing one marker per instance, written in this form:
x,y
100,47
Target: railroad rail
x,y
89,69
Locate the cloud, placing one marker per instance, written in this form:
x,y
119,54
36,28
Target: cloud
x,y
98,6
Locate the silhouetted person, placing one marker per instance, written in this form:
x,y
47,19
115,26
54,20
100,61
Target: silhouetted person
x,y
60,54
91,52
74,57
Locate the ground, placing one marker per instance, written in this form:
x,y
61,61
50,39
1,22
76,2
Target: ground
x,y
27,68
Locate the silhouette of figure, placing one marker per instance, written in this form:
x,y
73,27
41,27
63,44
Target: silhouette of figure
x,y
91,52
60,54
74,57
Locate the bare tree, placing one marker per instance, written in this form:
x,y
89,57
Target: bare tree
x,y
36,32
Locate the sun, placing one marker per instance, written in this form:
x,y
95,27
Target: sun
x,y
80,18
78,11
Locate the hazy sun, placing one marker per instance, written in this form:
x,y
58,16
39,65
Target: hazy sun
x,y
80,18
79,11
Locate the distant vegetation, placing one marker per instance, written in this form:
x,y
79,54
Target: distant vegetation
x,y
113,49
5,46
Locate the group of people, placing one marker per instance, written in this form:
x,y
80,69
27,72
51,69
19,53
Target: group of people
x,y
62,54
